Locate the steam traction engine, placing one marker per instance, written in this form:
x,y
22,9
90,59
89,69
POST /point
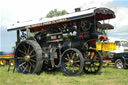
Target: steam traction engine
x,y
63,41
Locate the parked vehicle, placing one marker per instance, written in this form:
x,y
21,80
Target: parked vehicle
x,y
120,55
6,58
121,45
62,41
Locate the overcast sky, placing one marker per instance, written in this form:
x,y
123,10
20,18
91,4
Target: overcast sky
x,y
12,11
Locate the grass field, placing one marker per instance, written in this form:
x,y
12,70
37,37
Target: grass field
x,y
107,76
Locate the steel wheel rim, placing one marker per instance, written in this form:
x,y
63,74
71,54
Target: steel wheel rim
x,y
71,61
25,58
95,62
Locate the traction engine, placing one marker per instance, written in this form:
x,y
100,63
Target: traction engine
x,y
61,42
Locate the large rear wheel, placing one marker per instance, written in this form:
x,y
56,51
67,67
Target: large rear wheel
x,y
28,57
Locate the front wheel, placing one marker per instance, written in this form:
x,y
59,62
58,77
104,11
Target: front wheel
x,y
119,64
72,62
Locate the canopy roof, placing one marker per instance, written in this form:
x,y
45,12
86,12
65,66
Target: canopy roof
x,y
106,26
98,13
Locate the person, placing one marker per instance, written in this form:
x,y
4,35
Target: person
x,y
102,36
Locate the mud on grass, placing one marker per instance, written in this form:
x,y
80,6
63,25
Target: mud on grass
x,y
107,76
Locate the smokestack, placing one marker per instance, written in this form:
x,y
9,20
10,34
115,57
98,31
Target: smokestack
x,y
77,9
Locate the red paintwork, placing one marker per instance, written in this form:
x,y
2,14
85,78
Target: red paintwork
x,y
10,54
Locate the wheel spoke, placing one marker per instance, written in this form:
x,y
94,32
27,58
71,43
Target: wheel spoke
x,y
97,64
68,57
22,55
21,51
91,67
94,66
74,69
25,69
31,52
22,64
24,47
28,49
32,56
77,55
77,65
73,56
77,61
33,60
29,68
85,67
20,58
31,65
88,67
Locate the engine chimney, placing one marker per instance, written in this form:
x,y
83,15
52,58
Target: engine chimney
x,y
77,9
